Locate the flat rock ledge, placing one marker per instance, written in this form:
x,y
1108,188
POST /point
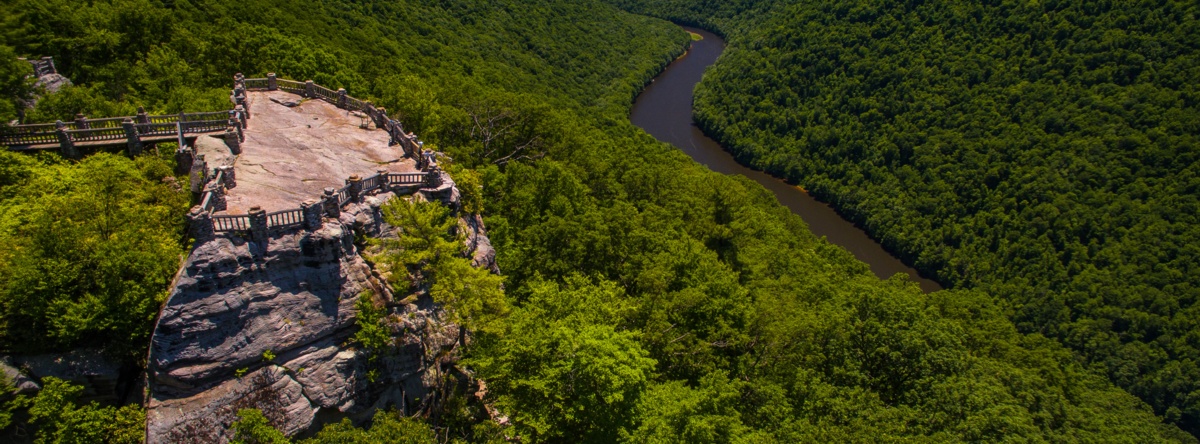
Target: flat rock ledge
x,y
234,300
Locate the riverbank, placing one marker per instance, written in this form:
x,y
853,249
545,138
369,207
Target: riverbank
x,y
664,109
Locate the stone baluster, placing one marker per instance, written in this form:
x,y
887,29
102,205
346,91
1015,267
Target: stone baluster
x,y
233,140
342,98
310,89
355,188
258,225
81,122
134,143
330,203
272,82
200,225
312,211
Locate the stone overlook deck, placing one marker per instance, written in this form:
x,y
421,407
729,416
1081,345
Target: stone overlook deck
x,y
292,153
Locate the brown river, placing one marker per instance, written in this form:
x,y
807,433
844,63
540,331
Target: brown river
x,y
664,109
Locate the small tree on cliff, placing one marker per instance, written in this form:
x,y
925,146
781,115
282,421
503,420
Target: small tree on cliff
x,y
428,251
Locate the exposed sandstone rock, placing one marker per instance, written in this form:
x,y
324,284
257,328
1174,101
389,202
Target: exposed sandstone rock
x,y
233,301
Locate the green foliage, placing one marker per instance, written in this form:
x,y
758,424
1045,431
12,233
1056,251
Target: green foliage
x,y
562,370
386,426
425,247
252,427
372,333
60,419
86,251
1045,152
651,299
15,86
470,185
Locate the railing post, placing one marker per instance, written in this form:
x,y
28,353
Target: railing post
x,y
258,225
330,203
272,82
200,225
142,117
183,160
216,191
310,89
341,98
355,190
243,114
81,122
197,173
433,177
66,146
131,137
233,141
381,120
236,123
227,176
311,210
383,180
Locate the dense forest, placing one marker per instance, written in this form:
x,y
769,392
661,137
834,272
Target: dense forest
x,y
1047,153
648,299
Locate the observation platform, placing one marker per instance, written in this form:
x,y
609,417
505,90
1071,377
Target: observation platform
x,y
292,153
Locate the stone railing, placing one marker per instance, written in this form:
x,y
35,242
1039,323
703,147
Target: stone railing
x,y
133,131
259,225
42,66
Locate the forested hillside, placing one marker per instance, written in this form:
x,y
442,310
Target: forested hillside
x,y
653,300
1045,152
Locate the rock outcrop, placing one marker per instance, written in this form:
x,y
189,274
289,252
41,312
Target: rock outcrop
x,y
236,303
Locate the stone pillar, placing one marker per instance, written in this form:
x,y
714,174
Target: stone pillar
x,y
381,119
258,225
355,188
329,202
236,123
310,89
342,98
142,117
81,122
272,82
197,174
66,146
243,114
183,160
131,135
384,185
216,192
312,211
200,225
433,177
233,141
229,181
